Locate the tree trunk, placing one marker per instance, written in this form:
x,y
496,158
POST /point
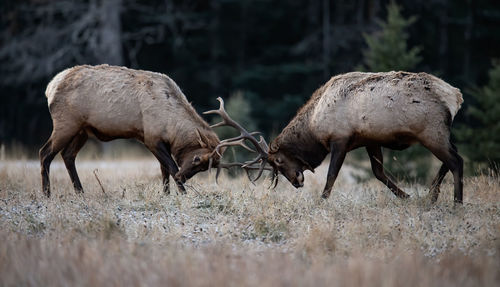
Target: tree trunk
x,y
469,26
214,51
373,9
326,39
360,13
110,44
443,37
242,35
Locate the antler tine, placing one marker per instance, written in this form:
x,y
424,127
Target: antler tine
x,y
226,120
217,124
261,170
260,145
224,165
241,143
223,144
246,167
263,143
239,164
255,160
274,179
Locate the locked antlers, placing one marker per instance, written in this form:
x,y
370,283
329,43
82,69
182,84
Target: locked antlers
x,y
261,147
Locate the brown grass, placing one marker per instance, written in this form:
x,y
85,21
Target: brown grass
x,y
240,234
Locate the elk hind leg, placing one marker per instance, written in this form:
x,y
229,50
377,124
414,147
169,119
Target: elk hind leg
x,y
448,154
57,141
376,160
436,183
69,154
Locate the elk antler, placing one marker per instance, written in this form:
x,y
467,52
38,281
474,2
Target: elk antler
x,y
260,145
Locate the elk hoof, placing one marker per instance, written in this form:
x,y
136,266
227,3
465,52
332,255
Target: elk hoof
x,y
433,194
181,188
403,195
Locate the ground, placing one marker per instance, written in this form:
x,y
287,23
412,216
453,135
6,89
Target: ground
x,y
128,233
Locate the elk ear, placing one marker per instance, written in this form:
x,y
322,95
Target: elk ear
x,y
200,139
196,160
274,147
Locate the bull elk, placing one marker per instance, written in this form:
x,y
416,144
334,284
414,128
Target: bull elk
x,y
111,102
372,110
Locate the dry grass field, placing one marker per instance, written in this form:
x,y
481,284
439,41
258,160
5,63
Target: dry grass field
x,y
239,234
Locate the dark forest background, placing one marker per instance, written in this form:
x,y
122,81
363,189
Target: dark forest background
x,y
270,55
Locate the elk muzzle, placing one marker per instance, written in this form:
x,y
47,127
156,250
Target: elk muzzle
x,y
298,180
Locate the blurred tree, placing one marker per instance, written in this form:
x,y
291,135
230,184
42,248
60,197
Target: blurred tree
x,y
41,39
52,36
388,51
278,52
481,141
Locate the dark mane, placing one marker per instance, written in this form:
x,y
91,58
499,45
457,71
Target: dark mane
x,y
304,148
297,141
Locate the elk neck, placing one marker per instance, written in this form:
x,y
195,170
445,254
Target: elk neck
x,y
298,141
186,141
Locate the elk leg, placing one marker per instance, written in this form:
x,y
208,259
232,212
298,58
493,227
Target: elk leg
x,y
377,160
47,154
458,174
448,154
436,183
165,178
162,153
69,154
338,152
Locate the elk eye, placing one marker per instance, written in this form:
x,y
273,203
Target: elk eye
x,y
278,161
196,159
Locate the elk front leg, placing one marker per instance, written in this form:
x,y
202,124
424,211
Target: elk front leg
x,y
338,151
165,176
162,153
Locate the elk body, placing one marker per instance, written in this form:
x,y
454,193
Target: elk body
x,y
371,110
111,102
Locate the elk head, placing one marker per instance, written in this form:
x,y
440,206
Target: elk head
x,y
288,165
199,158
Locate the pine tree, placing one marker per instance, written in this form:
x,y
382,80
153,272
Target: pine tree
x,y
388,51
481,139
387,48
